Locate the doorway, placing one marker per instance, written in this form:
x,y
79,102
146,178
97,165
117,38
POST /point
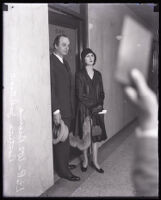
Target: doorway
x,y
60,23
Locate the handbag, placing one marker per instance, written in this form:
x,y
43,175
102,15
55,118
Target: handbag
x,y
96,130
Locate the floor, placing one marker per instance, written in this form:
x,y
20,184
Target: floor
x,y
115,157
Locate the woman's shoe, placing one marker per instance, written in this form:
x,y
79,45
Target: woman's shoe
x,y
83,169
98,170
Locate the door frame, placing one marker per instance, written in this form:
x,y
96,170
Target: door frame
x,y
56,17
78,21
68,22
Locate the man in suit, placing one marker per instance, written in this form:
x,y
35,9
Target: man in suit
x,y
145,166
61,94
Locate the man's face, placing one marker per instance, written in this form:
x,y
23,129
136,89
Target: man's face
x,y
63,46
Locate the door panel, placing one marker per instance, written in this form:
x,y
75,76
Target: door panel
x,y
55,30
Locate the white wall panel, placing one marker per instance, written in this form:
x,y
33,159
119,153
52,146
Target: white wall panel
x,y
105,24
27,132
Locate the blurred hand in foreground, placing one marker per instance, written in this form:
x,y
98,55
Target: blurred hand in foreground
x,y
144,99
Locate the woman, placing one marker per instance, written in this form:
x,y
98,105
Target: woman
x,y
90,97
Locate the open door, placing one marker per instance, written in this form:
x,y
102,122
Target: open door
x,y
60,23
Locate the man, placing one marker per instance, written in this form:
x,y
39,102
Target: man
x,y
61,93
145,166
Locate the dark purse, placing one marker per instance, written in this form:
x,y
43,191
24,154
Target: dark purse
x,y
96,130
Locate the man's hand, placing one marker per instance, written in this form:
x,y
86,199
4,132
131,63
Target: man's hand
x,y
57,118
144,99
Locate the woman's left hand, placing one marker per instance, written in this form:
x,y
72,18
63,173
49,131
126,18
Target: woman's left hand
x,y
97,109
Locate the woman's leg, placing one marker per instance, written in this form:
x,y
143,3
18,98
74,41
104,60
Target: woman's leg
x,y
85,161
95,154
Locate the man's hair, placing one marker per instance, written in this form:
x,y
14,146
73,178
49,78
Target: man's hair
x,y
57,39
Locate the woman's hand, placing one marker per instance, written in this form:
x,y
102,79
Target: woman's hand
x,y
97,109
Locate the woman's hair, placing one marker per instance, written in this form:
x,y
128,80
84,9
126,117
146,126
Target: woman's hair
x,y
85,52
57,39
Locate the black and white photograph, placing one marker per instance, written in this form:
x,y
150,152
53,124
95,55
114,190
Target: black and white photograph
x,y
80,99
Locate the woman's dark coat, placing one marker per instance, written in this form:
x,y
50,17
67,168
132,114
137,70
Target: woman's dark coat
x,y
89,95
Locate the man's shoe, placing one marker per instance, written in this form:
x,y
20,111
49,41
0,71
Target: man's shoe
x,y
71,166
73,178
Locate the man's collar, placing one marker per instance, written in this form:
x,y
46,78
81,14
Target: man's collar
x,y
60,58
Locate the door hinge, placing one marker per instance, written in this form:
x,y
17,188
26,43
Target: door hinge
x,y
5,7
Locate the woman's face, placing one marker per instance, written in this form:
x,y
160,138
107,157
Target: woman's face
x,y
89,59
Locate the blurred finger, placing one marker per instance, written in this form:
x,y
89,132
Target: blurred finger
x,y
139,81
131,93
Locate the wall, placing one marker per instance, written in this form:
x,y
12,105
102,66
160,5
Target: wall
x,y
105,25
72,6
27,132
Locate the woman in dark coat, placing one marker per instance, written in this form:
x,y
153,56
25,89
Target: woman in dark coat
x,y
90,97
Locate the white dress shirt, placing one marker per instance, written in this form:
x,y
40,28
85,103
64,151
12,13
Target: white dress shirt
x,y
61,60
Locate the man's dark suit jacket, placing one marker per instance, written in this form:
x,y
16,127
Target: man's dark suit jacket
x,y
61,87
